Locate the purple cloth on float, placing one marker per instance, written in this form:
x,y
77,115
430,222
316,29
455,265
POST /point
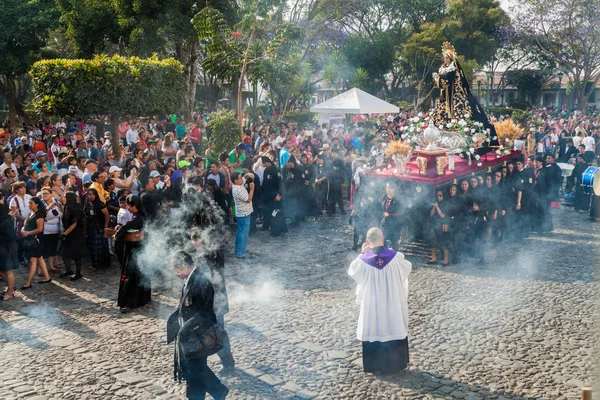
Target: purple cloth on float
x,y
380,260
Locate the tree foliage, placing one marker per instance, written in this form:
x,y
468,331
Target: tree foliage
x,y
567,33
25,29
225,130
104,85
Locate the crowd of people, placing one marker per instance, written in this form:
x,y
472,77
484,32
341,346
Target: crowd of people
x,y
66,196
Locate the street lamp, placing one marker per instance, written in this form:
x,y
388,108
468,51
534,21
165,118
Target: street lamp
x,y
560,75
489,89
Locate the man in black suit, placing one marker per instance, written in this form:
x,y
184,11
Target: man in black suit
x,y
570,151
195,313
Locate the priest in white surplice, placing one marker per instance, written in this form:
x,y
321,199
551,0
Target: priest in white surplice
x,y
382,292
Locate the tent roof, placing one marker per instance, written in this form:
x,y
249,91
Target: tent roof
x,y
355,101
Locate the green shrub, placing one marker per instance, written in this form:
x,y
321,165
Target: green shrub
x,y
301,117
225,130
520,116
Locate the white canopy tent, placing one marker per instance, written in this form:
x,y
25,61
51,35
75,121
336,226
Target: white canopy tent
x,y
355,101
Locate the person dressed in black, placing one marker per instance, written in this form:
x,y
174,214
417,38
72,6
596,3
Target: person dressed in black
x,y
335,176
390,217
542,220
96,220
294,185
271,187
523,185
460,222
217,194
439,228
309,200
321,184
134,289
215,259
8,250
476,203
501,196
569,151
73,239
582,200
195,313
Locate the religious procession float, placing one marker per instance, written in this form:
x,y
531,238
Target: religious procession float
x,y
453,142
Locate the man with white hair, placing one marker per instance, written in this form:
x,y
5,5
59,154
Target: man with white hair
x,y
382,292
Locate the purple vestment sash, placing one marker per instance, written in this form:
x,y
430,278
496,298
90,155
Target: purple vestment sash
x,y
380,260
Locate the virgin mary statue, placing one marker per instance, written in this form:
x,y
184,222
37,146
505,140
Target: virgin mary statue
x,y
455,101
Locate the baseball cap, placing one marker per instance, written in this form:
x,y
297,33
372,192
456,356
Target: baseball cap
x,y
72,169
183,163
40,154
154,174
107,134
114,168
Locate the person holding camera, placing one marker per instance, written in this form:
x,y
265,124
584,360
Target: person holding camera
x,y
243,210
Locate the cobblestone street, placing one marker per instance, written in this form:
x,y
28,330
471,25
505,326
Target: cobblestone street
x,y
524,325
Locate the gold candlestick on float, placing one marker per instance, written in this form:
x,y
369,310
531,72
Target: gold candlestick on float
x,y
422,163
441,164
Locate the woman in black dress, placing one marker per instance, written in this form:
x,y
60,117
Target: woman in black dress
x,y
294,186
96,219
135,289
73,241
439,228
8,250
32,233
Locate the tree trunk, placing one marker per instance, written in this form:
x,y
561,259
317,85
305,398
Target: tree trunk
x,y
191,79
187,54
241,84
114,138
11,98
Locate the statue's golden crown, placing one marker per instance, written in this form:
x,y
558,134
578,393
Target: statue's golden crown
x,y
448,49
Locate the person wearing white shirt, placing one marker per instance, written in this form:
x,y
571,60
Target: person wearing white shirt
x,y
590,146
278,142
243,209
132,135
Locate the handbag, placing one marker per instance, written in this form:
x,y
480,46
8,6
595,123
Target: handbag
x,y
195,344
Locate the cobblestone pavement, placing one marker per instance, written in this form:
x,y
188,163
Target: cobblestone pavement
x,y
521,326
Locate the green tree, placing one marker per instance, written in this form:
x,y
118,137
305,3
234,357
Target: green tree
x,y
568,33
141,28
377,61
115,86
225,130
236,52
25,29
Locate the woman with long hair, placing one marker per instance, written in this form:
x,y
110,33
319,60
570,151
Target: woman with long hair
x,y
56,186
96,220
134,289
170,147
32,233
72,238
8,250
52,229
